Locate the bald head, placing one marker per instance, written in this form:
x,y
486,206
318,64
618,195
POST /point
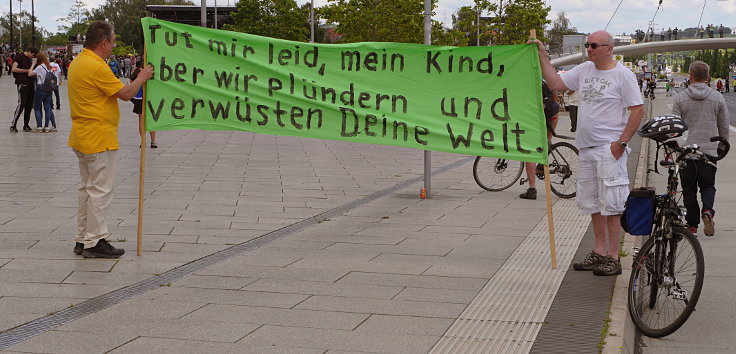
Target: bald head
x,y
602,37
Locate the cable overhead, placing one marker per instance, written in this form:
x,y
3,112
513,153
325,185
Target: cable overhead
x,y
651,23
701,17
614,14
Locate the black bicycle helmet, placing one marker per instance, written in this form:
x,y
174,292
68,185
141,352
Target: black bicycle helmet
x,y
663,128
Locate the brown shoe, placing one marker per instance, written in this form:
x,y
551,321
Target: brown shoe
x,y
708,224
610,267
592,261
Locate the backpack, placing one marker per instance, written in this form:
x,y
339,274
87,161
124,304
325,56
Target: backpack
x,y
50,82
550,106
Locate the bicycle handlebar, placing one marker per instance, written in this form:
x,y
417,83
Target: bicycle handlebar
x,y
722,151
723,148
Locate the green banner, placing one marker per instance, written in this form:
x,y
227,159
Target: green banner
x,y
475,100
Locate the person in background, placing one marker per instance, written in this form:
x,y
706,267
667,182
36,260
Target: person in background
x,y
551,107
127,66
57,71
114,66
706,115
573,109
93,101
42,99
138,107
22,66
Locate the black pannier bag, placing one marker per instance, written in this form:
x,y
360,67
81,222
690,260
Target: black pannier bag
x,y
638,215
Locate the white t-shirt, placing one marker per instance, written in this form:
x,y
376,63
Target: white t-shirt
x,y
40,74
604,96
57,70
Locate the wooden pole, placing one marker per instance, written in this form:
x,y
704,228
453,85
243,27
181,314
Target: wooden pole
x,y
141,180
550,220
548,194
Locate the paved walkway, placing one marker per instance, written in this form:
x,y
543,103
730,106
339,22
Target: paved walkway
x,y
262,244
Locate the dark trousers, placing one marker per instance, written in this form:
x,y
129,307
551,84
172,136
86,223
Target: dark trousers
x,y
573,117
697,175
58,102
25,105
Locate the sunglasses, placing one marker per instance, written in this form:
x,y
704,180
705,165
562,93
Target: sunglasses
x,y
595,45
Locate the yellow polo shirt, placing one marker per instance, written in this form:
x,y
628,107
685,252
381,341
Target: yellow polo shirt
x,y
94,107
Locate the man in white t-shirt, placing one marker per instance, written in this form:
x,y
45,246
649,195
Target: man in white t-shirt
x,y
606,89
56,69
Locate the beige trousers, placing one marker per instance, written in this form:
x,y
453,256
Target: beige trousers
x,y
97,172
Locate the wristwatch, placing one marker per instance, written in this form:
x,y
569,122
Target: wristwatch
x,y
623,143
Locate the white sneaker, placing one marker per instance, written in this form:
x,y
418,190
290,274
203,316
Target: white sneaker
x,y
45,130
37,130
51,130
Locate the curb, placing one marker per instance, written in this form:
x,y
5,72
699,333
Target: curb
x,y
621,337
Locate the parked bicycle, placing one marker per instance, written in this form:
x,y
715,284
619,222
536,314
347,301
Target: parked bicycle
x,y
497,174
668,270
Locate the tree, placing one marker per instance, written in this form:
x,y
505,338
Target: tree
x,y
377,20
560,28
514,21
271,18
465,20
447,37
77,17
21,28
125,16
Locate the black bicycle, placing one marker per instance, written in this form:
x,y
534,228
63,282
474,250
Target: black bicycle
x,y
668,270
496,174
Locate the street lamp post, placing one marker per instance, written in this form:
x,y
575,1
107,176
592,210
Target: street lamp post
x,y
203,14
311,22
33,24
20,25
11,22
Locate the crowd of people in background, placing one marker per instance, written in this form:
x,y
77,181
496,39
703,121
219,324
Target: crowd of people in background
x,y
29,68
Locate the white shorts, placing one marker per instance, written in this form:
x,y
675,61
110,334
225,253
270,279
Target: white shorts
x,y
603,182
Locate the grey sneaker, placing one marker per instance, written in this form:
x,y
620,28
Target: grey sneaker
x,y
530,193
592,261
610,267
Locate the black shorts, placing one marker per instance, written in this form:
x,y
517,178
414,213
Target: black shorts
x,y
137,105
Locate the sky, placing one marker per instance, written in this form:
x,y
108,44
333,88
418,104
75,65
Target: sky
x,y
585,15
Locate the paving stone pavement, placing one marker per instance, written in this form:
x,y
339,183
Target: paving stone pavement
x,y
389,275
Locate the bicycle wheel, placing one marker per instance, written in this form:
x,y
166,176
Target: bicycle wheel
x,y
661,301
563,169
493,174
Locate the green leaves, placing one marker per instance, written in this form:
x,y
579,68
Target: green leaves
x,y
560,28
271,18
377,20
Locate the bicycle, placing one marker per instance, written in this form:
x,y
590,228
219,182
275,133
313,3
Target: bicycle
x,y
668,270
497,174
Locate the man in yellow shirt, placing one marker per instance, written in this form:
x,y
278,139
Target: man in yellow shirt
x,y
93,99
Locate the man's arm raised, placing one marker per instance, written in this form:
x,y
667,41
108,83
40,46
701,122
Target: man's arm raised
x,y
548,72
129,91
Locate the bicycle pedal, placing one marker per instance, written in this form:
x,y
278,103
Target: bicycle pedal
x,y
634,251
522,181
